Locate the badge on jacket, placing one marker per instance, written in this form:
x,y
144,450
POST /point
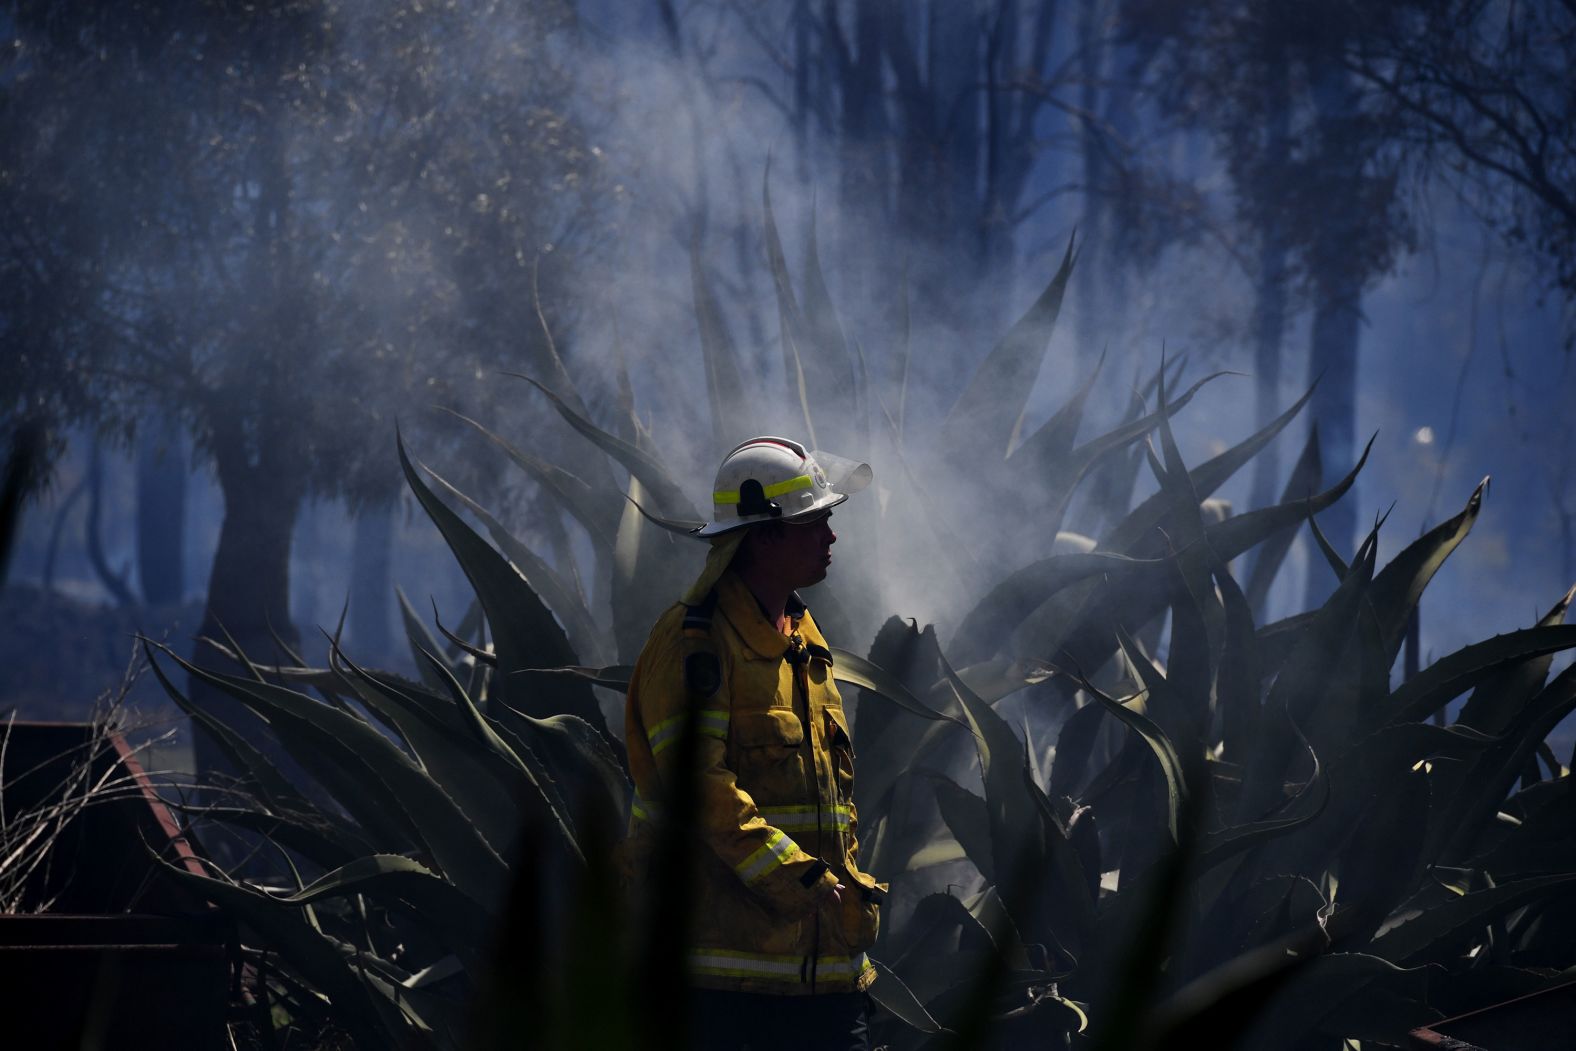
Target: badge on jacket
x,y
702,673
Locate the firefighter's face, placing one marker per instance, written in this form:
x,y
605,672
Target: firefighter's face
x,y
800,552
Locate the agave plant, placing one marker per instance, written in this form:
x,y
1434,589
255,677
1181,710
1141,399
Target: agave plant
x,y
1231,814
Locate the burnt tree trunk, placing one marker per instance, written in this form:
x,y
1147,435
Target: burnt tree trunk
x,y
370,583
1337,279
249,588
161,514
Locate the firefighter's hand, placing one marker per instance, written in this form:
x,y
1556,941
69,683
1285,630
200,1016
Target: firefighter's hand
x,y
832,896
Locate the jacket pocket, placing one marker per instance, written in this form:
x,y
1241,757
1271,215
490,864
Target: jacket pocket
x,y
769,757
771,728
860,919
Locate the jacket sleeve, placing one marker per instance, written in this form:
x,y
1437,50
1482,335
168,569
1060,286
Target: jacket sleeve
x,y
764,858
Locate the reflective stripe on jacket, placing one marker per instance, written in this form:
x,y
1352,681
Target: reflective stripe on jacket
x,y
775,811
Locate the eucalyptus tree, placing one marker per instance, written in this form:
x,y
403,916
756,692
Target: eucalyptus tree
x,y
1337,121
1315,178
1481,94
279,226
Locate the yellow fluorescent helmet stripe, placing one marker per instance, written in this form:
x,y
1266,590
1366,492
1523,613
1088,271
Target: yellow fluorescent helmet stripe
x,y
777,849
792,485
709,722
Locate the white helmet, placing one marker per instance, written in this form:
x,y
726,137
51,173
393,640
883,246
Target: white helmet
x,y
771,479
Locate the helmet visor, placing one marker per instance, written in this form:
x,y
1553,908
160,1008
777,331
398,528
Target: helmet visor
x,y
843,476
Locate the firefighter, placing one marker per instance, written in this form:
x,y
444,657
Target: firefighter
x,y
776,949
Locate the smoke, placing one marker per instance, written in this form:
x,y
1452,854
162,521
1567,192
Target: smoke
x,y
616,141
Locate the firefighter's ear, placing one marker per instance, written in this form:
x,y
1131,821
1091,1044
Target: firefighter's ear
x,y
760,539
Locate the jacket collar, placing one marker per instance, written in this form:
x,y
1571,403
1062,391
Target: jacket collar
x,y
761,637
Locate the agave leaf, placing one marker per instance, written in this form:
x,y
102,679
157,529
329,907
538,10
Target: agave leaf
x,y
1301,484
978,425
1172,713
1237,683
1495,702
320,836
1384,859
1421,937
233,650
649,568
1054,440
1449,677
1124,771
613,677
1197,619
472,718
1330,994
1221,846
455,919
1159,745
527,785
370,1019
1259,910
795,330
830,372
1042,877
895,649
1218,847
882,771
888,745
724,384
899,1001
1400,584
376,782
849,667
479,781
1542,843
1276,640
1131,944
994,994
558,595
1301,684
668,493
1336,563
982,630
568,752
1496,771
429,1016
273,787
1366,773
939,850
1214,1009
1063,477
1073,745
595,508
524,632
1109,490
419,637
1081,618
941,926
1355,699
969,822
1205,479
1239,533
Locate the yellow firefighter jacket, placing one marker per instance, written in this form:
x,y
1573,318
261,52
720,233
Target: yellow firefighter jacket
x,y
776,810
